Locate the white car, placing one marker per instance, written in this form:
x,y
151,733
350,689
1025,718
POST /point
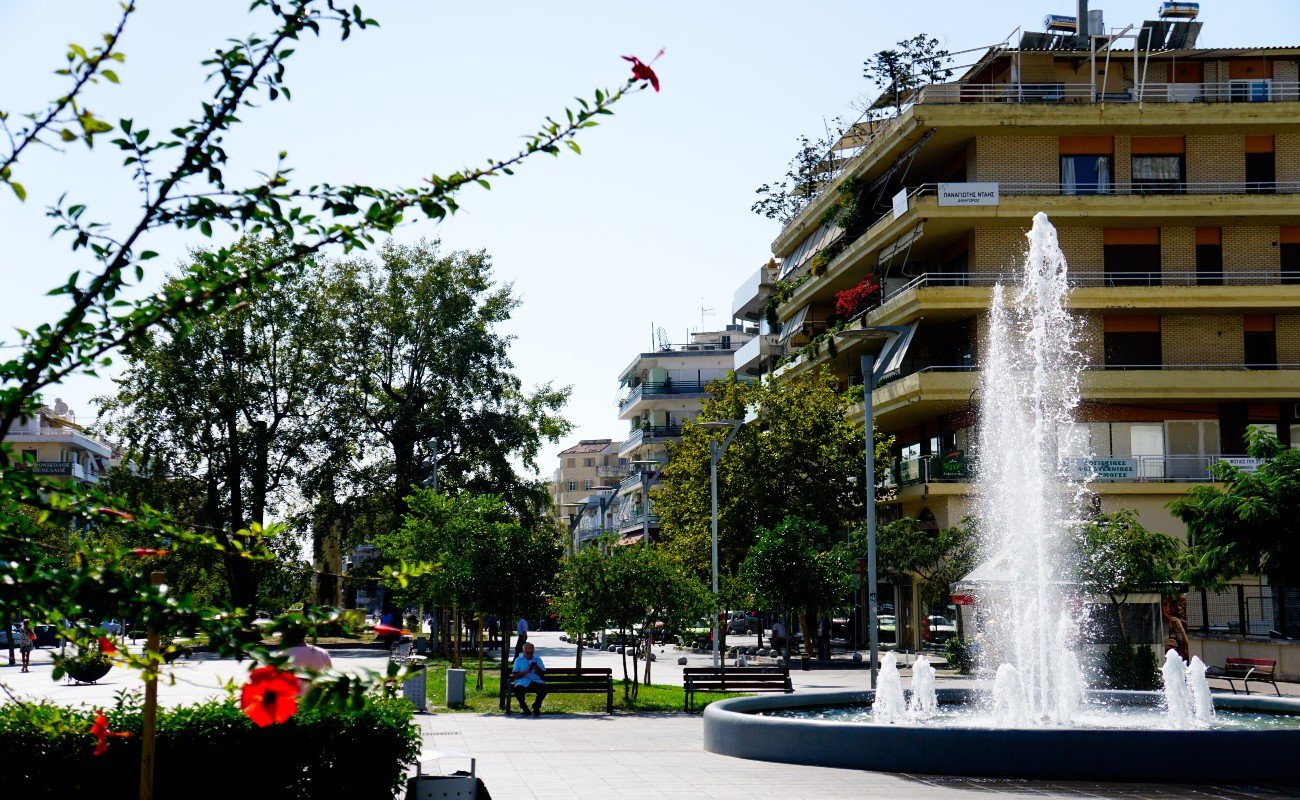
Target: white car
x,y
112,626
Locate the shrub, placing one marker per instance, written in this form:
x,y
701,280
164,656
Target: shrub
x,y
959,654
1130,666
851,302
213,750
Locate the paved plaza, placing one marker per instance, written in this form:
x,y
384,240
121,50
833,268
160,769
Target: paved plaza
x,y
621,756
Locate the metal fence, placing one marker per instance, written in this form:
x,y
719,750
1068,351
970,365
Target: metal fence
x,y
1246,611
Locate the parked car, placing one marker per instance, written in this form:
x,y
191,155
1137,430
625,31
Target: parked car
x,y
941,629
47,635
112,626
11,636
742,622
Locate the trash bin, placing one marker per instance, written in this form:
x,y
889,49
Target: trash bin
x,y
415,689
440,787
455,688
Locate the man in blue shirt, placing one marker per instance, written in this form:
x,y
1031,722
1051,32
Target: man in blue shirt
x,y
529,674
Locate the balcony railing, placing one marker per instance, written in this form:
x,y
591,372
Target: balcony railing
x,y
634,480
1237,91
1123,469
613,470
660,388
1128,188
652,432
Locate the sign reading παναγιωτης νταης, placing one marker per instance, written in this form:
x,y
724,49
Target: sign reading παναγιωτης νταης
x,y
968,194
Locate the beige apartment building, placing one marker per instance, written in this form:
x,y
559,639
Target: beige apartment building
x,y
585,467
1172,175
56,445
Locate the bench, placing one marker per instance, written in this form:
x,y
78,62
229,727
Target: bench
x,y
733,679
1259,670
573,680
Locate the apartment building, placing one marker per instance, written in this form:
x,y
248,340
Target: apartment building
x,y
1172,175
660,390
585,467
56,445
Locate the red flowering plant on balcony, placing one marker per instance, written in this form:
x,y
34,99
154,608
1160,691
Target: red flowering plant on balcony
x,y
851,302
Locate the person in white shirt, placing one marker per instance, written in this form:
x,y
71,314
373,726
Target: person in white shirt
x,y
778,635
521,629
304,657
529,674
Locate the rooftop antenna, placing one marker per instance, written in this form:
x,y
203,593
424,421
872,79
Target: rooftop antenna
x,y
704,312
662,336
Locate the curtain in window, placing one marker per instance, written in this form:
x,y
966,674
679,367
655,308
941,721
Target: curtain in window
x,y
1103,175
1165,169
1069,183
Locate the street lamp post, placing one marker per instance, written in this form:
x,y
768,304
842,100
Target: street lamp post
x,y
868,366
715,453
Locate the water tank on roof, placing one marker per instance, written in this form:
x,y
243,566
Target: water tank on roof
x,y
1060,23
1172,10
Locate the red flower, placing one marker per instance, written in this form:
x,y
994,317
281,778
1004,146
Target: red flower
x,y
850,302
99,729
106,646
642,72
113,512
148,551
270,696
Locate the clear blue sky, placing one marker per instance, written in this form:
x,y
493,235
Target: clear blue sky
x,y
650,223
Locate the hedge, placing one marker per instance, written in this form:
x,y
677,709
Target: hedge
x,y
211,750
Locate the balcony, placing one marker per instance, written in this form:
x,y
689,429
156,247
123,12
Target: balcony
x,y
613,470
650,390
1233,91
751,296
1124,469
749,357
633,481
69,469
68,436
649,435
637,523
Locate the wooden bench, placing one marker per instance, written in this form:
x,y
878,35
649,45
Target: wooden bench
x,y
1259,670
733,679
574,680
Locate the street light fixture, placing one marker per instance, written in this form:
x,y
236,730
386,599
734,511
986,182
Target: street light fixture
x,y
715,453
645,496
897,338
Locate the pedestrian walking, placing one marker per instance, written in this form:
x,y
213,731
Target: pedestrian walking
x,y
521,630
26,643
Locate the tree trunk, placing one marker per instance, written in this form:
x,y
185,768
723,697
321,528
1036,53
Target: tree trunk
x,y
455,613
578,661
805,620
649,651
505,662
622,638
479,684
239,570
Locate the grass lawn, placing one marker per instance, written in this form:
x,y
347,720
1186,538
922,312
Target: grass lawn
x,y
653,698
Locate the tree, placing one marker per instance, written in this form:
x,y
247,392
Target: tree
x,y
1251,524
427,376
898,73
803,459
1119,557
939,557
793,567
180,168
234,401
808,170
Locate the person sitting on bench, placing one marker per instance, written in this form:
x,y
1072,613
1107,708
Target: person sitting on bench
x,y
529,674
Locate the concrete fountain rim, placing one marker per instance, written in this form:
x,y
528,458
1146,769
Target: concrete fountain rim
x,y
731,727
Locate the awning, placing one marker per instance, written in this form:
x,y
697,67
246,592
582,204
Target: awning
x,y
818,239
795,323
626,540
901,244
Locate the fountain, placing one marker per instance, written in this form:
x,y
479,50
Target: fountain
x,y
1038,720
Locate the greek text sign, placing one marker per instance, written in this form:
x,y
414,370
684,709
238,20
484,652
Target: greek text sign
x,y
968,194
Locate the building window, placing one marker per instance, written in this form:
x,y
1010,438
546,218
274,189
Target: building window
x,y
1132,341
1261,166
1158,174
1131,256
29,455
586,484
570,462
1086,174
1260,341
588,462
1209,257
573,486
1289,245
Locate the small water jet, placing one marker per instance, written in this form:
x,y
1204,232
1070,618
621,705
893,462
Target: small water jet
x,y
889,707
1177,695
1202,702
923,701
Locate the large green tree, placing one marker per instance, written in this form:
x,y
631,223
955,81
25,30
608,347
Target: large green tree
x,y
803,458
1118,556
1249,525
234,401
939,557
794,567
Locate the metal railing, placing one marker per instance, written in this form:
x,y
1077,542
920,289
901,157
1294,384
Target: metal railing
x,y
1049,188
652,432
1245,611
1243,91
613,470
1121,469
634,480
657,388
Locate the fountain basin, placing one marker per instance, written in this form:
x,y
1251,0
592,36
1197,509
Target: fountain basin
x,y
735,728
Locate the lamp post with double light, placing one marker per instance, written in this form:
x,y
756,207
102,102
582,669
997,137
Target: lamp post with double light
x,y
715,453
896,338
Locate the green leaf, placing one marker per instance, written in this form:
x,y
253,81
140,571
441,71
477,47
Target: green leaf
x,y
110,75
206,227
18,190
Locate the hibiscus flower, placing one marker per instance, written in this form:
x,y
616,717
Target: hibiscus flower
x,y
99,729
641,71
270,696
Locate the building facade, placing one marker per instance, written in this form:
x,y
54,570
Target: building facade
x,y
54,444
1172,175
